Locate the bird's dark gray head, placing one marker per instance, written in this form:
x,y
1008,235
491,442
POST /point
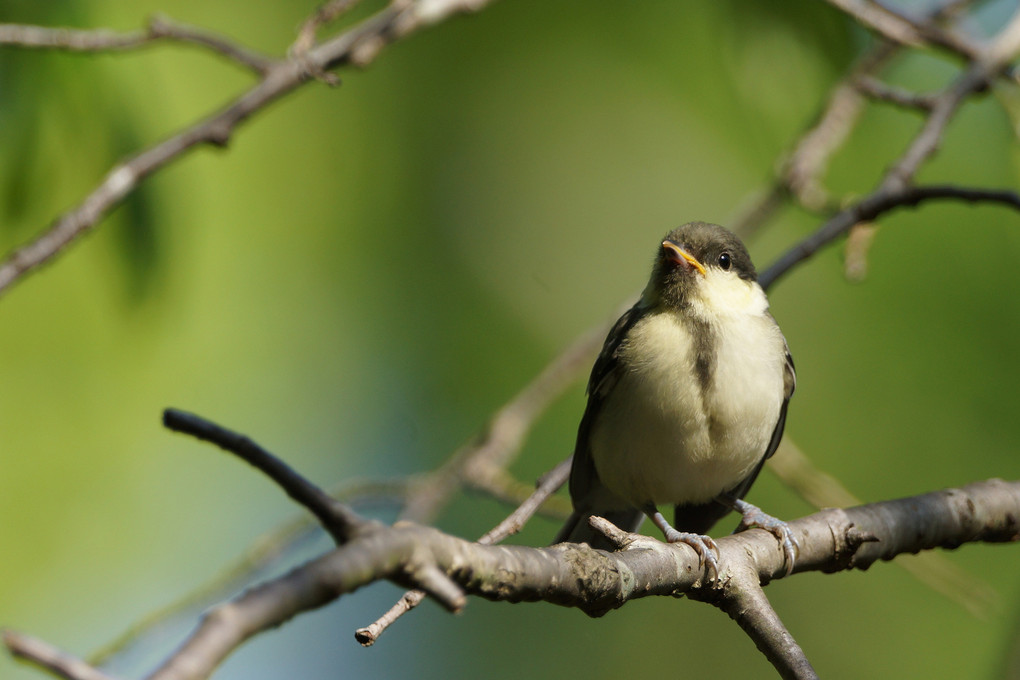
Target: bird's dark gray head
x,y
691,253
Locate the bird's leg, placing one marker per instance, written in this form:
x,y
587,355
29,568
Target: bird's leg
x,y
703,545
752,517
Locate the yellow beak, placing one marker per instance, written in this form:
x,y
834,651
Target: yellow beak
x,y
681,256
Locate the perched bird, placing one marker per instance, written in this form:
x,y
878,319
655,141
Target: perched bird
x,y
686,400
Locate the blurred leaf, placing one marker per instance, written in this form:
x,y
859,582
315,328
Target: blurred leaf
x,y
136,223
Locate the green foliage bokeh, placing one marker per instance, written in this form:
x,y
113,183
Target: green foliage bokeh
x,y
368,272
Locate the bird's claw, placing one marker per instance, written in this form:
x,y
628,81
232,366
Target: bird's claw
x,y
752,517
704,546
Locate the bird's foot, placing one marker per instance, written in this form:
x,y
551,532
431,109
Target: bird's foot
x,y
752,517
704,546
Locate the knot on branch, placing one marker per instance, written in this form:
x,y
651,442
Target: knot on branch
x,y
847,538
597,579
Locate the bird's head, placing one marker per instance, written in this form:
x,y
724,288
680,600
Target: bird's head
x,y
699,263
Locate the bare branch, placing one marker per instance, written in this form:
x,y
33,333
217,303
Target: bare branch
x,y
547,485
482,463
596,581
88,40
935,35
927,141
904,30
263,554
744,600
800,175
934,569
495,447
895,190
104,40
884,22
340,521
162,27
870,208
358,45
45,655
876,89
1005,46
322,16
515,521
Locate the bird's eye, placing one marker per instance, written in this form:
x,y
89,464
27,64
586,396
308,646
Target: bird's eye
x,y
724,261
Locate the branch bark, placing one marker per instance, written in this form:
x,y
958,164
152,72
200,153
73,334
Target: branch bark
x,y
597,581
358,45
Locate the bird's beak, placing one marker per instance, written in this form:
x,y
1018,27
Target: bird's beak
x,y
682,257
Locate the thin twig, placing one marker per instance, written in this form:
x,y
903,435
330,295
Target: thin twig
x,y
514,522
495,447
161,28
339,520
936,35
322,16
870,208
894,190
78,40
482,463
926,143
876,89
800,175
45,655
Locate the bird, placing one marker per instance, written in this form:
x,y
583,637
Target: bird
x,y
686,401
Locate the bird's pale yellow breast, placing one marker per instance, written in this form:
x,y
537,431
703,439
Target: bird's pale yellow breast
x,y
664,437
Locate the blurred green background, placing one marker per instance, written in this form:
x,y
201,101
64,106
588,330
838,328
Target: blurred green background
x,y
368,272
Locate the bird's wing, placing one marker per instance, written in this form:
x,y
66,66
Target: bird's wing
x,y
789,385
588,494
604,375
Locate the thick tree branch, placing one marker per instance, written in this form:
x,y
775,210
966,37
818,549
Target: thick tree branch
x,y
482,462
513,523
934,569
446,567
596,581
744,600
903,30
886,23
261,556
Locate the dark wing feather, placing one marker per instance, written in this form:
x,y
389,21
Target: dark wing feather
x,y
586,489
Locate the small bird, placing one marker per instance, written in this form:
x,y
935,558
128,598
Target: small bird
x,y
686,400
